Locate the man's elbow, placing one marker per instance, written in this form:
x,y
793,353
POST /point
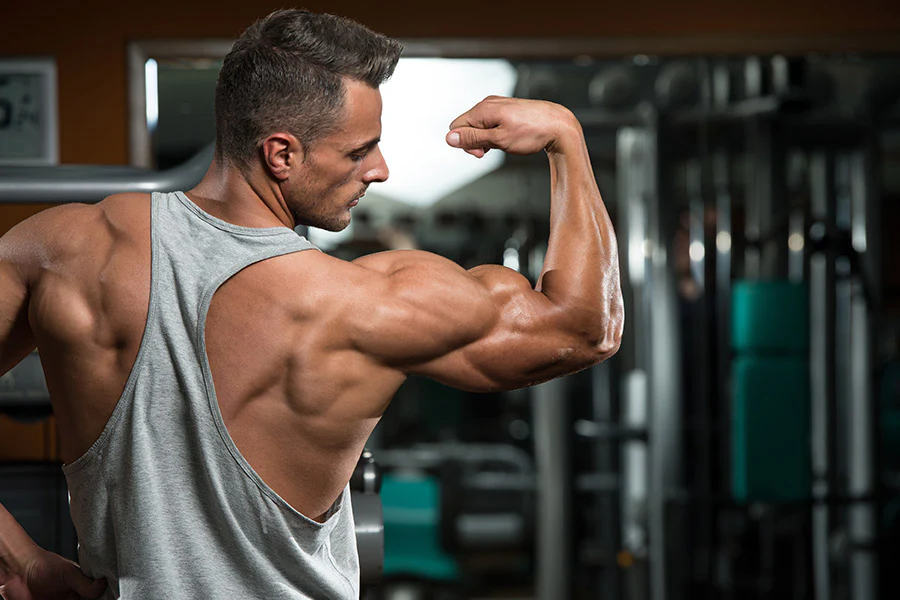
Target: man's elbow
x,y
606,337
607,347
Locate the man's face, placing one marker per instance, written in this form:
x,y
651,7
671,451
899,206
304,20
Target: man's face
x,y
338,168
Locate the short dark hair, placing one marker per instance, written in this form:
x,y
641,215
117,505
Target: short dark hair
x,y
286,73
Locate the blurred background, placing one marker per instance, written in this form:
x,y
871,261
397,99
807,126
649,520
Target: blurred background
x,y
745,441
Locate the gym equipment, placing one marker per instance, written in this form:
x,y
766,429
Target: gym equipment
x,y
412,519
771,394
889,407
368,516
448,504
769,316
92,183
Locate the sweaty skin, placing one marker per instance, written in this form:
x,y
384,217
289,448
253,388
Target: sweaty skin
x,y
340,337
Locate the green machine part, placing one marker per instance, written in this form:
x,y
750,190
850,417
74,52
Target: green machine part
x,y
889,417
770,417
770,429
769,316
412,514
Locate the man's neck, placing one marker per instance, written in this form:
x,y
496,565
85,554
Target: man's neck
x,y
248,200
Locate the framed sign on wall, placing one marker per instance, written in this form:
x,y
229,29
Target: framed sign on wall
x,y
28,113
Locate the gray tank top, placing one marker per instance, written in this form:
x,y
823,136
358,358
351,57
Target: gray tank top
x,y
164,504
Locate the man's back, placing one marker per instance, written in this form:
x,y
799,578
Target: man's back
x,y
165,472
281,378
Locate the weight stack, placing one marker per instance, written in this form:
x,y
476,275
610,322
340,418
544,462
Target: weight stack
x,y
770,416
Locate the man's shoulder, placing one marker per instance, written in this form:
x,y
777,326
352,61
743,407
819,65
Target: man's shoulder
x,y
76,216
64,230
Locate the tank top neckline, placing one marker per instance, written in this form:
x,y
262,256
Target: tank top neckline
x,y
230,227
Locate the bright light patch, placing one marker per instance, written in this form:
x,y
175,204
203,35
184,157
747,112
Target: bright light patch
x,y
795,242
697,251
511,258
723,241
151,83
420,101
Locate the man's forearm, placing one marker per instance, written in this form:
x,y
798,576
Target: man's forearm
x,y
581,269
15,546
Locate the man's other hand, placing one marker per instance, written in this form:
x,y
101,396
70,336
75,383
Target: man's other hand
x,y
48,576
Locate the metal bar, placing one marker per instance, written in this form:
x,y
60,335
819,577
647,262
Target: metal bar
x,y
605,430
82,183
664,378
697,224
426,456
607,462
862,423
841,352
863,526
866,230
701,515
821,361
554,523
753,208
635,465
634,164
721,167
139,144
766,202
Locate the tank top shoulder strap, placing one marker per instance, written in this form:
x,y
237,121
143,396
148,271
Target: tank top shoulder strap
x,y
194,252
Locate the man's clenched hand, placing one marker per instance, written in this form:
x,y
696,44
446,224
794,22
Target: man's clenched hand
x,y
514,125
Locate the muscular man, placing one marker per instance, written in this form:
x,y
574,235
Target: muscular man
x,y
215,377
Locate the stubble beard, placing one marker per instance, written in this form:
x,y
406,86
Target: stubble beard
x,y
315,214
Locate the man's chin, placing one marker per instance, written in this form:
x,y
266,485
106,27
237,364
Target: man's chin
x,y
333,225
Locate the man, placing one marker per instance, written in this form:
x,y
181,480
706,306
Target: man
x,y
215,378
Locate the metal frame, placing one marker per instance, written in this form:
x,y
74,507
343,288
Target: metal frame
x,y
822,377
585,48
139,52
44,67
41,185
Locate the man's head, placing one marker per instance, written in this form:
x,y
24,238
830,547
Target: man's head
x,y
298,76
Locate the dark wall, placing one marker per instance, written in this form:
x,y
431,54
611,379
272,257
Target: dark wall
x,y
89,37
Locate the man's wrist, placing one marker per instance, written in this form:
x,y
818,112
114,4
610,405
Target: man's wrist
x,y
568,136
17,549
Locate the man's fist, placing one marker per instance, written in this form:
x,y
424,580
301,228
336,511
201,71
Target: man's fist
x,y
513,125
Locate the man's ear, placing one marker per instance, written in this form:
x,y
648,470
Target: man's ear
x,y
282,154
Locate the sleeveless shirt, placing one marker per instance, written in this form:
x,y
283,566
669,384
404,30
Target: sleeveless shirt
x,y
164,504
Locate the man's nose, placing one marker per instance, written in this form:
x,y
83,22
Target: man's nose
x,y
379,171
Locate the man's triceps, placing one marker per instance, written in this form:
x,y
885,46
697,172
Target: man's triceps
x,y
16,338
523,343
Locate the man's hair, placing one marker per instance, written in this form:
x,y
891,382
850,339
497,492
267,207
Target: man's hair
x,y
286,73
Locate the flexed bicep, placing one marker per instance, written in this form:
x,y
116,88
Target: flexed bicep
x,y
531,340
414,307
481,330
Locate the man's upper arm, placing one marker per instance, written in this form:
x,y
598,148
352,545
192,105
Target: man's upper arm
x,y
16,339
485,329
